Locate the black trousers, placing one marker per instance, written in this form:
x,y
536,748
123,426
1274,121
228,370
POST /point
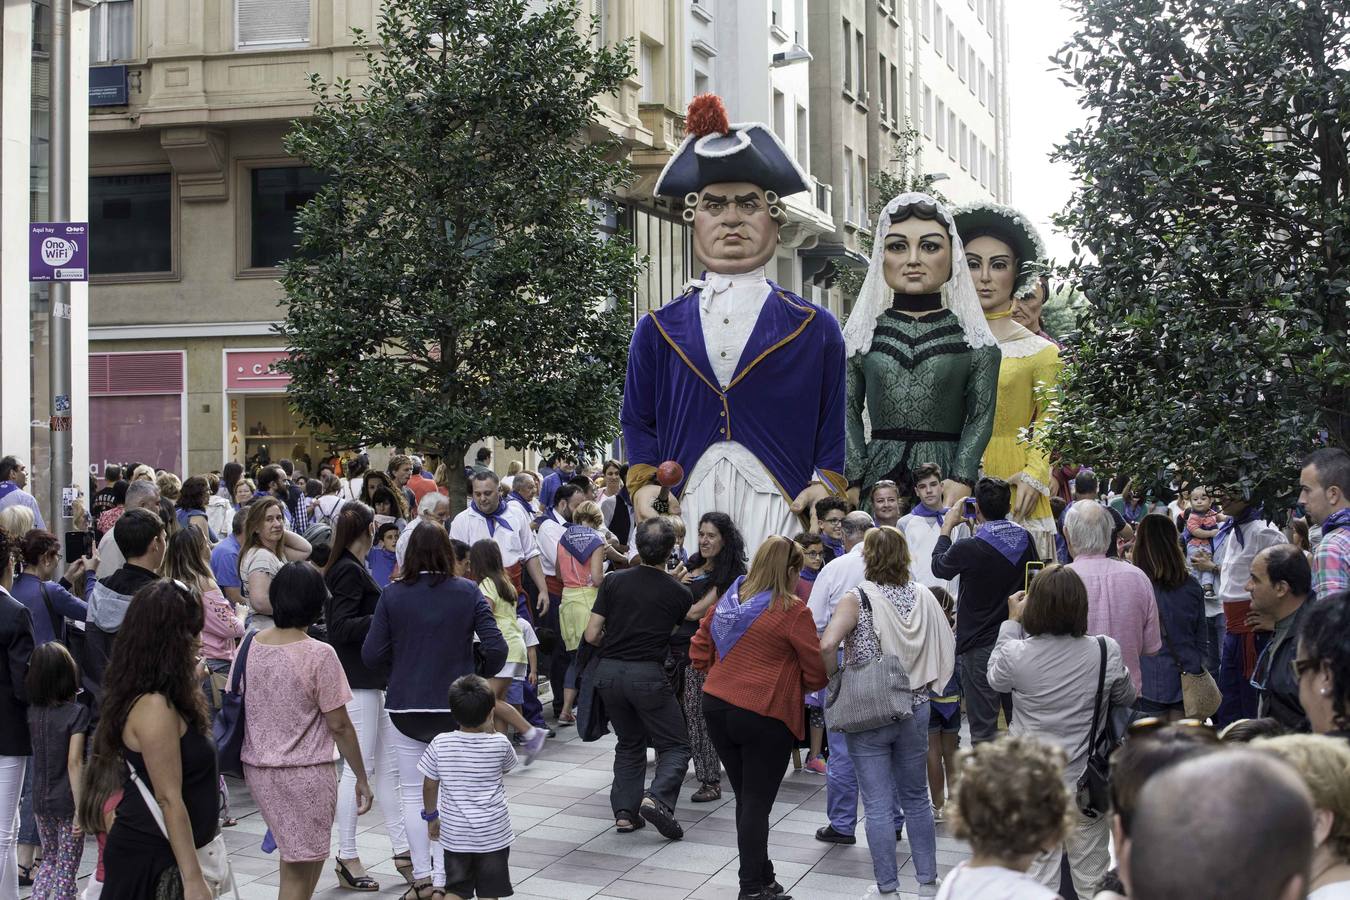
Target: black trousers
x,y
754,750
643,712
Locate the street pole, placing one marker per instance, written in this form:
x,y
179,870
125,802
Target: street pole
x,y
58,194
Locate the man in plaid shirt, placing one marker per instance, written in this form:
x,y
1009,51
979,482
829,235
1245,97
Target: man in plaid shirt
x,y
1324,491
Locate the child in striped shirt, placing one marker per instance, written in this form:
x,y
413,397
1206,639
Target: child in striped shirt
x,y
464,799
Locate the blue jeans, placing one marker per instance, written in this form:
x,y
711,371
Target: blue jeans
x,y
841,788
895,757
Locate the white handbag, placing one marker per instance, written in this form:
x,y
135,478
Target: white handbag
x,y
214,858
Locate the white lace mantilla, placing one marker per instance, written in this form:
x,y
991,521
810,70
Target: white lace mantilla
x,y
1023,347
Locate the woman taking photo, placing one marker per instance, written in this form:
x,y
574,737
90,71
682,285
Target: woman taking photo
x,y
266,547
485,561
1181,617
295,714
50,602
191,507
754,700
1046,658
711,571
153,719
890,614
352,598
422,634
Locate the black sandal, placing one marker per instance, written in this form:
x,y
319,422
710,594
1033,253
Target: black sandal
x,y
415,892
634,823
26,874
403,863
664,819
354,882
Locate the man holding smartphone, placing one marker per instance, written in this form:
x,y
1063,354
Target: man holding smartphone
x,y
992,565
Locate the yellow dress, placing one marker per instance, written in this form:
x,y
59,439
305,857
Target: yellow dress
x,y
1029,362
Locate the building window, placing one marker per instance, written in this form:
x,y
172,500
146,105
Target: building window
x,y
702,84
884,110
780,116
940,32
989,76
860,182
941,125
895,95
984,85
277,196
112,31
951,135
647,72
270,23
848,186
928,19
848,56
132,215
799,22
984,164
803,139
860,56
927,111
970,66
981,9
776,13
965,148
961,57
600,12
951,43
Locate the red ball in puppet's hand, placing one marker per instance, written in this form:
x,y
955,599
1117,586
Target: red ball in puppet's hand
x,y
669,473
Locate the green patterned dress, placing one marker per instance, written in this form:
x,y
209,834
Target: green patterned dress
x,y
929,398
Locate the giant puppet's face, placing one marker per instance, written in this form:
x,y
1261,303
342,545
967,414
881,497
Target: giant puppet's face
x,y
733,229
993,268
918,258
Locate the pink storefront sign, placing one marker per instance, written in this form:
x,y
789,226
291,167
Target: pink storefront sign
x,y
254,370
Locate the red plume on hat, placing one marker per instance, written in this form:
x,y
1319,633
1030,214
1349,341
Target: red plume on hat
x,y
706,115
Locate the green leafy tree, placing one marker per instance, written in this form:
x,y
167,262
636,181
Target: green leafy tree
x,y
451,282
1214,201
902,177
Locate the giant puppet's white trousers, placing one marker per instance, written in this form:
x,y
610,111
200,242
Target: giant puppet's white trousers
x,y
728,478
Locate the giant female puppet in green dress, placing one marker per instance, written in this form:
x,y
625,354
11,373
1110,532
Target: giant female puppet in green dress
x,y
922,363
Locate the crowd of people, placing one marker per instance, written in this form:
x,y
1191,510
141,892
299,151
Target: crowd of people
x,y
345,615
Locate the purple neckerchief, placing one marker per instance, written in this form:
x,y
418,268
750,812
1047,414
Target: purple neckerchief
x,y
1008,538
922,510
495,518
732,618
7,488
836,546
1234,526
809,575
580,541
524,504
1339,519
548,515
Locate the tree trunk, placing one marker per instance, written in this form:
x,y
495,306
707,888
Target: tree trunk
x,y
453,457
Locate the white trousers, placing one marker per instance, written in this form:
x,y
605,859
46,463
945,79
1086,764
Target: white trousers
x,y
1088,848
728,479
428,861
11,784
375,732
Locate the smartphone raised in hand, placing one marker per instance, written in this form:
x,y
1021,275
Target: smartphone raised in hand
x,y
969,508
1033,568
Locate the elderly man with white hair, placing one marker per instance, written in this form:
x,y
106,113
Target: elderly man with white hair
x,y
433,507
140,495
1120,596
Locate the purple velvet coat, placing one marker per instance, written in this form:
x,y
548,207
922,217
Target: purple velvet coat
x,y
785,403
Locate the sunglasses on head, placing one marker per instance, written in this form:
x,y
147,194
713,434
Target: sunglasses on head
x,y
1153,724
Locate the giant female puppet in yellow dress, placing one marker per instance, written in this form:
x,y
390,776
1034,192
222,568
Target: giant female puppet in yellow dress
x,y
1005,253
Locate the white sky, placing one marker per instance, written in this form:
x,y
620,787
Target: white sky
x,y
1043,111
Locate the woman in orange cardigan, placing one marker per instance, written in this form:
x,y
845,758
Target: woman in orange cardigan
x,y
759,649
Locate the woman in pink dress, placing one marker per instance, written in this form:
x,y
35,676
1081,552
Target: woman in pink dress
x,y
295,717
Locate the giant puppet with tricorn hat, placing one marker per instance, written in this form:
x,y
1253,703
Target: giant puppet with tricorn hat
x,y
737,381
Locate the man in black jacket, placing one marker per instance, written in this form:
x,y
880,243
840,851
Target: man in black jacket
x,y
1280,585
139,535
992,565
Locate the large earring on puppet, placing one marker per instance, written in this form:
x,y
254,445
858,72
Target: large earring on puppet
x,y
690,201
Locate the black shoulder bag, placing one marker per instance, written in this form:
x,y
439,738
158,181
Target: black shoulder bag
x,y
1093,792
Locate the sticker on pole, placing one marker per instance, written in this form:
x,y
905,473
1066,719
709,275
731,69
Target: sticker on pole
x,y
58,251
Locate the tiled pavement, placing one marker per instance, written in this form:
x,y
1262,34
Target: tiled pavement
x,y
566,847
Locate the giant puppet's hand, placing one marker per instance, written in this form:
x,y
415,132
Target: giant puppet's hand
x,y
953,492
804,507
644,499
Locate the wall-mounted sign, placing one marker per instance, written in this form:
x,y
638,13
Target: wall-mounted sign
x,y
107,85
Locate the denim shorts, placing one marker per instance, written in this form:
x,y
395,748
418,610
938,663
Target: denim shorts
x,y
945,718
515,692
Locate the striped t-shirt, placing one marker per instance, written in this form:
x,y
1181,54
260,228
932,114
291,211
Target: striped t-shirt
x,y
472,799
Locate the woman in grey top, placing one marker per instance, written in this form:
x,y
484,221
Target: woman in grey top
x,y
1049,663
